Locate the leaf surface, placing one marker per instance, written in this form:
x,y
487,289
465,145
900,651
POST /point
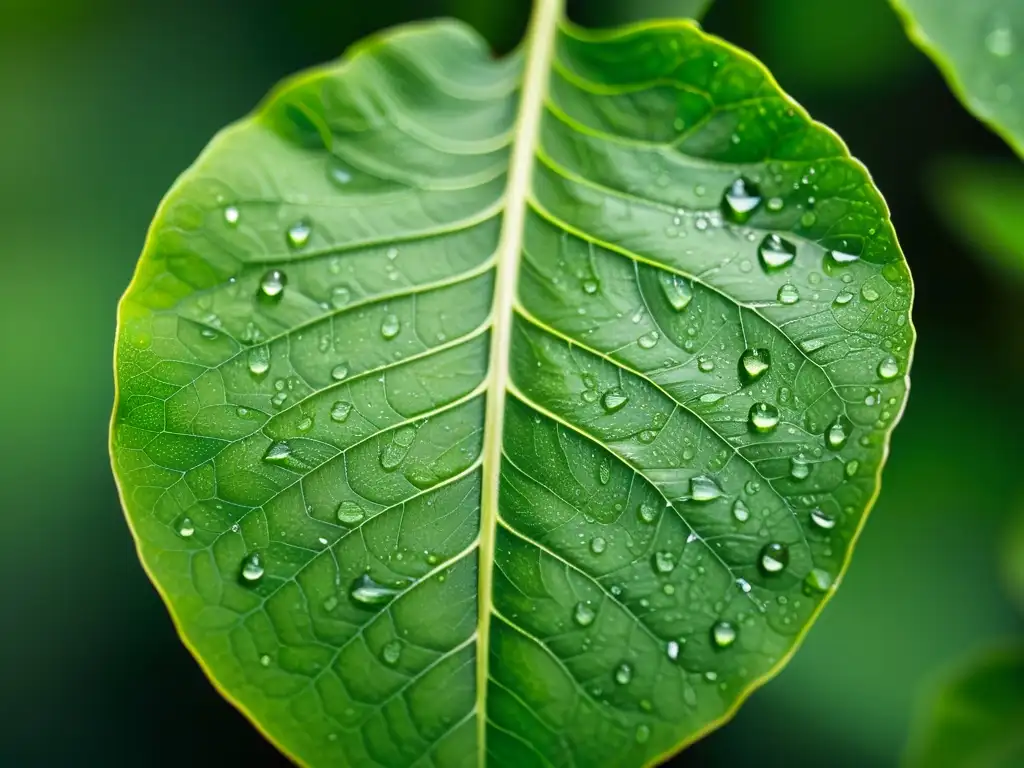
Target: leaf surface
x,y
979,46
976,717
519,412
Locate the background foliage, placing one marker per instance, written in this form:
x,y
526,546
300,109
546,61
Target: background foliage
x,y
106,101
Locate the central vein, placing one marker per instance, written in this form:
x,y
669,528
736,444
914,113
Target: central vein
x,y
540,44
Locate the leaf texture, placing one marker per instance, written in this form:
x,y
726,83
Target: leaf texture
x,y
511,412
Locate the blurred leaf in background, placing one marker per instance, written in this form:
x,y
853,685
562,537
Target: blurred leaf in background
x,y
981,201
1012,557
976,717
978,46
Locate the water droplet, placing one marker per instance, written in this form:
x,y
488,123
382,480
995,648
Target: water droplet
x,y
764,417
705,365
868,293
776,204
330,603
754,363
672,649
648,340
232,215
852,467
818,580
643,733
584,615
888,369
623,673
704,488
840,257
799,468
272,283
186,527
774,558
740,200
340,411
604,471
259,360
305,425
278,452
299,232
589,286
265,660
367,592
999,41
647,513
740,511
390,326
598,545
822,519
775,252
252,568
664,562
614,399
677,290
391,652
723,634
350,513
838,433
842,298
339,372
788,294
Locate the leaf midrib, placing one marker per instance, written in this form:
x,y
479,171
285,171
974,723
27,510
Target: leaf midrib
x,y
540,45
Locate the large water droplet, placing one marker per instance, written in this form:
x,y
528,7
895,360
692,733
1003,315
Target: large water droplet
x,y
186,527
788,294
775,252
259,360
589,286
340,411
740,511
584,615
598,545
704,488
763,417
754,363
252,568
614,399
299,232
677,290
799,468
774,558
838,433
623,673
339,372
647,513
390,326
822,519
818,580
723,634
740,200
367,592
664,562
272,283
888,369
278,452
648,340
391,652
350,513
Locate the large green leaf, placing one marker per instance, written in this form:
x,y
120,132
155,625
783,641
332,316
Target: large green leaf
x,y
979,48
976,718
521,412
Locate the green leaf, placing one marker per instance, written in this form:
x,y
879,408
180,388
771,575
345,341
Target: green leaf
x,y
982,201
522,412
638,10
1013,558
978,46
976,717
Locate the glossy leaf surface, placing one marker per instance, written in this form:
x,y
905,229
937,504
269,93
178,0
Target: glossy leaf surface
x,y
516,412
979,46
977,716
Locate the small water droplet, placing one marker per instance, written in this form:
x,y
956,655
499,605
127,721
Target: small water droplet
x,y
888,369
614,399
705,365
299,232
775,252
704,488
740,200
672,649
677,290
838,433
584,615
852,467
723,634
643,733
340,411
278,452
265,660
999,41
305,425
272,283
788,294
186,527
598,545
330,603
232,216
252,567
774,558
842,298
868,293
740,511
604,471
589,286
841,258
822,519
623,673
390,326
259,360
763,417
818,580
339,372
391,652
647,513
664,562
799,468
754,363
350,513
648,340
367,592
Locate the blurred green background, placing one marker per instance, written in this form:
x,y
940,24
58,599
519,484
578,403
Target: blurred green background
x,y
104,102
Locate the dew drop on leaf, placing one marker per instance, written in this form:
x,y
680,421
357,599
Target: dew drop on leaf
x,y
647,514
584,615
623,673
788,294
339,372
723,634
598,545
842,298
838,433
818,580
232,216
763,417
252,568
672,649
278,452
740,200
340,411
299,232
774,558
186,527
704,488
799,468
677,291
350,513
259,360
888,369
664,562
754,363
822,519
643,733
390,326
614,399
367,592
272,283
740,511
775,252
648,340
391,652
